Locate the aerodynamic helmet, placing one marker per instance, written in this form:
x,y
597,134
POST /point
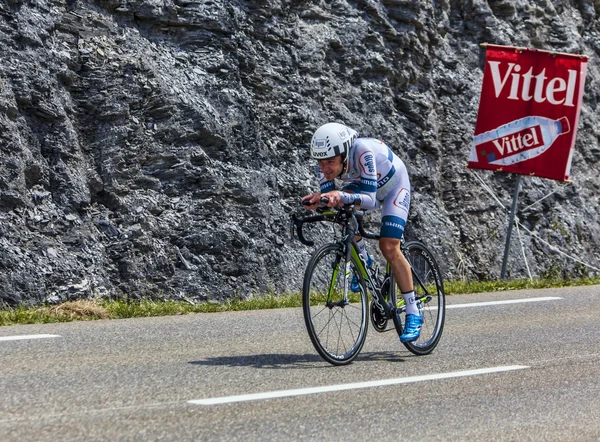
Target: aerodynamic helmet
x,y
331,140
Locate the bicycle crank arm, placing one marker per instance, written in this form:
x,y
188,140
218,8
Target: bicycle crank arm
x,y
341,303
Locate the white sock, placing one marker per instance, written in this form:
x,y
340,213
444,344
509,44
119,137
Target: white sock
x,y
411,305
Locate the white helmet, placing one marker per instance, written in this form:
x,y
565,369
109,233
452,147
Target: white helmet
x,y
331,140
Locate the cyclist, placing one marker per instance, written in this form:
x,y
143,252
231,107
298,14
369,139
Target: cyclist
x,y
374,176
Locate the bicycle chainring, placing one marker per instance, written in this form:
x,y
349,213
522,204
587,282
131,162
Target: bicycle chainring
x,y
377,320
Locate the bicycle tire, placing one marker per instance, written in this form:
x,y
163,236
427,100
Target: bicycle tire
x,y
426,275
337,328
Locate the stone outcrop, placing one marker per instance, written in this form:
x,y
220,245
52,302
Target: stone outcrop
x,y
157,147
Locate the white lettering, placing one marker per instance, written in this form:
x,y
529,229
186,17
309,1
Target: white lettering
x,y
499,146
535,137
517,142
539,86
514,88
555,85
571,87
556,91
527,85
498,82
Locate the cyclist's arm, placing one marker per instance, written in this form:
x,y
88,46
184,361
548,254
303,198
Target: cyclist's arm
x,y
364,189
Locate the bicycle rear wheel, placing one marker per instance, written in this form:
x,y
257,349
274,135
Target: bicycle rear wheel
x,y
430,297
337,326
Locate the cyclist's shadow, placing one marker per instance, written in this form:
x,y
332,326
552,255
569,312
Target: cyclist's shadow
x,y
286,361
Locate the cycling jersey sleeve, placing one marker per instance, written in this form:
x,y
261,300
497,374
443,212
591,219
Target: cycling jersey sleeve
x,y
367,183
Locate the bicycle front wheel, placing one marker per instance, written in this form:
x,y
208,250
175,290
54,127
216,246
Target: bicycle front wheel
x,y
336,324
430,297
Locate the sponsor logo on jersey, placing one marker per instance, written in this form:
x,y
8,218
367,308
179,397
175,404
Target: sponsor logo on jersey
x,y
402,199
367,163
385,179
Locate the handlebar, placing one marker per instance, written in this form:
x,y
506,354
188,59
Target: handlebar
x,y
337,215
322,204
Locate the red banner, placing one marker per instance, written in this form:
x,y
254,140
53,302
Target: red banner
x,y
528,112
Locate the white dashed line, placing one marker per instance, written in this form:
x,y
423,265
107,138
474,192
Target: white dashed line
x,y
19,337
510,301
354,386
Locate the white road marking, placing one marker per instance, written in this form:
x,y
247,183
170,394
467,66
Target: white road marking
x,y
353,386
19,337
510,301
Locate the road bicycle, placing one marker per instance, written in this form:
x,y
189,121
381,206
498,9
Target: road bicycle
x,y
336,317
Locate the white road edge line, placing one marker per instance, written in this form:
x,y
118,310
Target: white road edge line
x,y
354,386
510,301
19,337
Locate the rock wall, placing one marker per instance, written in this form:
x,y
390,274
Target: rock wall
x,y
157,147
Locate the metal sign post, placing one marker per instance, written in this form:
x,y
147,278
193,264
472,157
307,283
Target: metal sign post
x,y
511,223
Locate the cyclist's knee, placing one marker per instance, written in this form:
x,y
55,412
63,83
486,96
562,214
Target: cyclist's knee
x,y
390,248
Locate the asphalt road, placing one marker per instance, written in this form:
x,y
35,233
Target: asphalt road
x,y
515,371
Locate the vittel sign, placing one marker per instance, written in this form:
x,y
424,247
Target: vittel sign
x,y
528,111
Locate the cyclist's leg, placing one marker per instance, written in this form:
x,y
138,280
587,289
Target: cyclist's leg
x,y
390,248
393,219
394,216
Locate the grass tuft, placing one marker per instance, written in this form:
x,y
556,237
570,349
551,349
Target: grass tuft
x,y
77,311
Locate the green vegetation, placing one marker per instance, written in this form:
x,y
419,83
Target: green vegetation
x,y
111,309
464,287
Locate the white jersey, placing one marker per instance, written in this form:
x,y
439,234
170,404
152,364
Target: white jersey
x,y
374,170
376,176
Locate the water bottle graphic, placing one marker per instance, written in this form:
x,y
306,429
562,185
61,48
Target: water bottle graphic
x,y
518,140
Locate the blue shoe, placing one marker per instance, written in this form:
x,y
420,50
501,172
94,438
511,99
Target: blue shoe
x,y
354,285
412,328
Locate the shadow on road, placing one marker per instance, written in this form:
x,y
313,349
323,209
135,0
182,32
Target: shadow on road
x,y
279,361
272,361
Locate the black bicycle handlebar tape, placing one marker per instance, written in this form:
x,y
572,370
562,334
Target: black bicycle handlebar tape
x,y
301,235
324,200
299,222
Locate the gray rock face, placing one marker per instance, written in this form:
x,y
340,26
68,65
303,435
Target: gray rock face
x,y
157,148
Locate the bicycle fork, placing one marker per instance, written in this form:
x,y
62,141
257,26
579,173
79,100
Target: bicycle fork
x,y
344,264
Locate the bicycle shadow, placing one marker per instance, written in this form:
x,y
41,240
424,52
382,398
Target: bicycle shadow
x,y
286,361
269,361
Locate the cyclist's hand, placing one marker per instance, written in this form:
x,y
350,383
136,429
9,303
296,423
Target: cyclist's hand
x,y
334,198
311,201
